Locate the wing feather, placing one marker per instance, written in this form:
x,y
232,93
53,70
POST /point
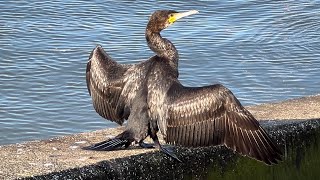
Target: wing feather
x,y
191,134
105,83
212,115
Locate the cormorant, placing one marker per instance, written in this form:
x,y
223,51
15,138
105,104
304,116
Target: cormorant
x,y
150,97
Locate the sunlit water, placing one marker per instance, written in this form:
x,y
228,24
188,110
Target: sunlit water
x,y
263,51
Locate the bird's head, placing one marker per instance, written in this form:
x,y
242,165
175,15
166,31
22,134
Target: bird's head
x,y
161,19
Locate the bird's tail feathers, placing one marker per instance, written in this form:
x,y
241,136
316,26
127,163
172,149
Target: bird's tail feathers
x,y
123,139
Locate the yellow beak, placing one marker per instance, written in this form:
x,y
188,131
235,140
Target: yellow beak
x,y
175,16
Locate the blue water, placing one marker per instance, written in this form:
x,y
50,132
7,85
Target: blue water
x,y
264,51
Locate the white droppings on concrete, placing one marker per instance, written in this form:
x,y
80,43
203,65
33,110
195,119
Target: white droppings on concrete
x,y
81,142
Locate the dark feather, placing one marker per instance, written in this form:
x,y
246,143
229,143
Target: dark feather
x,y
213,116
105,82
107,145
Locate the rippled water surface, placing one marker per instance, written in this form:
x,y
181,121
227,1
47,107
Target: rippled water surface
x,y
262,50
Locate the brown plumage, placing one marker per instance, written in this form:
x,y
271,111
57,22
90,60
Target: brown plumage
x,y
213,116
150,96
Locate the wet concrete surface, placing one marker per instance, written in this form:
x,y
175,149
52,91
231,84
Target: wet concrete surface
x,y
62,158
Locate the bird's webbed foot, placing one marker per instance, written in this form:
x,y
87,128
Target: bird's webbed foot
x,y
166,150
145,145
123,139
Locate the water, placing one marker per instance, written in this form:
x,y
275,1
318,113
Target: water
x,y
263,51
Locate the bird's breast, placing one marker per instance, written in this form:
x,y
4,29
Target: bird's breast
x,y
158,85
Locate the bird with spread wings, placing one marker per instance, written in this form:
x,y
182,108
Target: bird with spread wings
x,y
150,97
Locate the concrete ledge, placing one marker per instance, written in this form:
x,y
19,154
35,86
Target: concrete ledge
x,y
62,158
293,109
198,163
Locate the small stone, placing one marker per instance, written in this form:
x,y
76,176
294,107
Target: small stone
x,y
110,136
74,147
84,158
20,151
48,164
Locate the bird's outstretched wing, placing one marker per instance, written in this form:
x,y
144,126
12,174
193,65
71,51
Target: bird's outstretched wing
x,y
212,115
105,82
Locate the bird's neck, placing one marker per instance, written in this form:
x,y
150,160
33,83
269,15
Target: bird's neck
x,y
162,47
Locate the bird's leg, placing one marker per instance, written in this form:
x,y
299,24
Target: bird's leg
x,y
145,145
123,139
168,151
